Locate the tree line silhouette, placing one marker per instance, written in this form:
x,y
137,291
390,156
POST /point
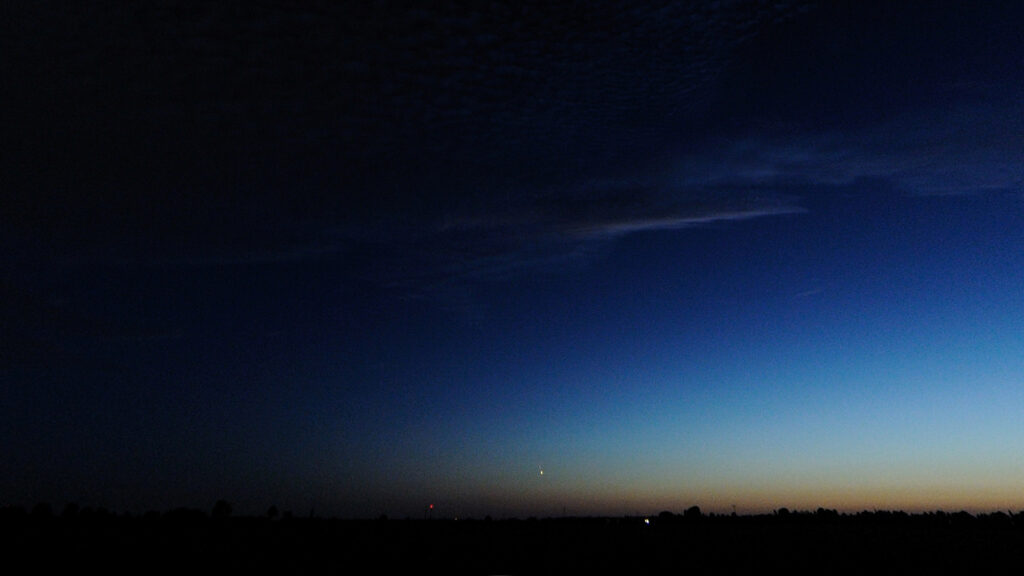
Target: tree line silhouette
x,y
818,541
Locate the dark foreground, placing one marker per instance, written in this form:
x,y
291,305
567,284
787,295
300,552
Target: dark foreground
x,y
820,543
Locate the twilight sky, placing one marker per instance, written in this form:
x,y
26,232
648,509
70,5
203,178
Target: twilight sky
x,y
364,257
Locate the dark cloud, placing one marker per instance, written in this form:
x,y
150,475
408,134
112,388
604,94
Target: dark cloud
x,y
418,144
134,119
965,147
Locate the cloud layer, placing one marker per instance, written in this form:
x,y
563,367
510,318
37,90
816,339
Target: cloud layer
x,y
448,140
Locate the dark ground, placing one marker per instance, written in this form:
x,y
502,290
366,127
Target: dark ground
x,y
822,542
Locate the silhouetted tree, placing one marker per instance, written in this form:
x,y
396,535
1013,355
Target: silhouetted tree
x,y
42,510
998,520
825,513
222,509
12,513
70,511
184,516
272,512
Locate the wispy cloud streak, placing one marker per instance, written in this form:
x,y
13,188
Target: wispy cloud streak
x,y
616,228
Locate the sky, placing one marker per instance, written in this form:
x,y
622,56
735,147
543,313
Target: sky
x,y
512,259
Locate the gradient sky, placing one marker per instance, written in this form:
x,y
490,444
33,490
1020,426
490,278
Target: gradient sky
x,y
365,257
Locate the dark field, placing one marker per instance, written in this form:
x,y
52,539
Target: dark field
x,y
821,542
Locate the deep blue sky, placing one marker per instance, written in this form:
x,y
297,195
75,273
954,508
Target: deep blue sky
x,y
363,260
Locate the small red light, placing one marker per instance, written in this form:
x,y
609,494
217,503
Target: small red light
x,y
431,506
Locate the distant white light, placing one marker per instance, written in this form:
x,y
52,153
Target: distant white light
x,y
647,521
